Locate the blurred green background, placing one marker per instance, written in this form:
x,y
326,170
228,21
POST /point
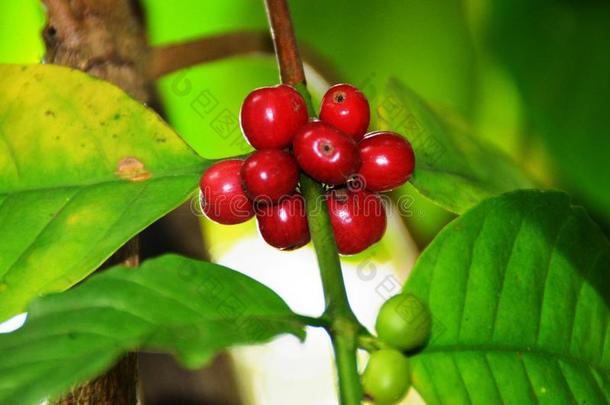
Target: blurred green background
x,y
531,77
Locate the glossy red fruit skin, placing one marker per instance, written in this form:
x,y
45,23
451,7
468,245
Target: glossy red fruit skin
x,y
223,199
284,225
347,109
358,219
268,175
387,160
325,153
270,116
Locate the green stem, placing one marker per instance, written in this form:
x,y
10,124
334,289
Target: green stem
x,y
344,337
370,343
322,237
320,322
344,326
326,249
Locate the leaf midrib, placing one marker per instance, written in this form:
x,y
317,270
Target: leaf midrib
x,y
186,172
204,317
536,351
154,325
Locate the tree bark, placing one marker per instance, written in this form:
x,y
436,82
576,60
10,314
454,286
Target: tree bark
x,y
117,387
106,39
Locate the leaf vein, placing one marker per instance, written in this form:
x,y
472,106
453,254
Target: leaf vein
x,y
31,245
565,381
547,270
461,378
530,384
492,375
158,292
504,276
535,351
466,284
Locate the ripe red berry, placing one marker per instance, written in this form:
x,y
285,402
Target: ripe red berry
x,y
269,174
387,160
284,225
325,153
346,108
222,198
270,116
358,219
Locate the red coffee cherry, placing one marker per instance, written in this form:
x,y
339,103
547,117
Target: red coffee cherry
x,y
222,198
270,116
387,160
325,153
358,219
284,225
269,174
346,108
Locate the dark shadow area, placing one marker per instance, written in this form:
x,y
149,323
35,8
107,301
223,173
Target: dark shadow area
x,y
162,380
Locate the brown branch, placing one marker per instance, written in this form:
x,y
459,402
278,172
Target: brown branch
x,y
110,388
178,56
170,58
104,38
285,42
344,327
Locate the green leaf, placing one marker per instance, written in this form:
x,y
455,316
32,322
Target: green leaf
x,y
453,168
171,303
519,291
565,86
83,168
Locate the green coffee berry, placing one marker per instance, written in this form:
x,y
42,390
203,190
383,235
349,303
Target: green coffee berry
x,y
386,378
404,322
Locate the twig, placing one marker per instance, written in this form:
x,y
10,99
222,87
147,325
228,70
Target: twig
x,y
344,327
104,38
166,59
285,43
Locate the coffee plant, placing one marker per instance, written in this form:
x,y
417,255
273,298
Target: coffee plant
x,y
508,303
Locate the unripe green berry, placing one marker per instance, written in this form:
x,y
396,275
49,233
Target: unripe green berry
x,y
404,322
386,378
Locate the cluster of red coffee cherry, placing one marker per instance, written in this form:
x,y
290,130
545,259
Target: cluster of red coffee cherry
x,y
334,150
